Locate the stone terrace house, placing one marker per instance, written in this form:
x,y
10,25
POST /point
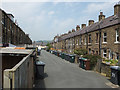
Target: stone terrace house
x,y
10,32
102,37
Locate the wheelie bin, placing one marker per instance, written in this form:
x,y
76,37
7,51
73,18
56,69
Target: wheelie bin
x,y
72,58
40,69
115,74
84,63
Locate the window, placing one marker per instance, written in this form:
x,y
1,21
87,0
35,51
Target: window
x,y
80,41
117,36
104,37
2,20
105,53
93,51
110,55
77,42
73,42
89,50
90,38
117,56
85,40
70,42
96,37
97,52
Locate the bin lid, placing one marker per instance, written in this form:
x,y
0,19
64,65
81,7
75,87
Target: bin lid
x,y
71,55
115,67
40,63
83,58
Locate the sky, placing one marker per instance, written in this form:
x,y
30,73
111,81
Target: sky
x,y
44,20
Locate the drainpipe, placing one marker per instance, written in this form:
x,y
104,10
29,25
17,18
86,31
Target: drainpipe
x,y
86,40
100,42
74,42
119,48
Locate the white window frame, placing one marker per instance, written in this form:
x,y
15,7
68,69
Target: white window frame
x,y
90,51
117,56
104,37
80,40
85,40
104,53
73,42
97,38
117,36
90,39
110,54
77,42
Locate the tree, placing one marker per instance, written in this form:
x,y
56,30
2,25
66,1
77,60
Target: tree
x,y
79,51
48,46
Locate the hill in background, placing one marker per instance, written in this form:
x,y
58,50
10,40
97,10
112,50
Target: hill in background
x,y
42,42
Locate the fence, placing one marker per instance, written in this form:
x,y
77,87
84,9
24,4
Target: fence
x,y
21,75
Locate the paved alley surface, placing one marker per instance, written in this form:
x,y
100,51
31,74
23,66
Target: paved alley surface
x,y
63,74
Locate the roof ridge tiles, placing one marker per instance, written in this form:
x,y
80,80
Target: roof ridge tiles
x,y
95,26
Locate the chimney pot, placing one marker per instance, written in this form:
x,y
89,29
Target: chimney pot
x,y
73,30
83,25
69,32
101,16
117,9
101,13
91,22
77,27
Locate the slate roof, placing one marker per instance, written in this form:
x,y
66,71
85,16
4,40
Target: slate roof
x,y
112,20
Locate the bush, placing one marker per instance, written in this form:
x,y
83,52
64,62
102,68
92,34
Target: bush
x,y
48,46
93,59
79,51
112,62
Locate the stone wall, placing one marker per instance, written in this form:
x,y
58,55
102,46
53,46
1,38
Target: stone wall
x,y
103,68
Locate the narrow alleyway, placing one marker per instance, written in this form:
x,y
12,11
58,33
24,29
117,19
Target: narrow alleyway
x,y
62,74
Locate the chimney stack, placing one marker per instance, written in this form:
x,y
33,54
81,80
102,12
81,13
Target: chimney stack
x,y
69,32
77,27
117,9
101,16
83,26
73,30
91,22
11,17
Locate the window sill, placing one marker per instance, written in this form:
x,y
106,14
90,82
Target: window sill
x,y
104,42
96,43
89,43
116,42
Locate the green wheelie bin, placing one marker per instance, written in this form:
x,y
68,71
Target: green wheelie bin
x,y
63,55
72,58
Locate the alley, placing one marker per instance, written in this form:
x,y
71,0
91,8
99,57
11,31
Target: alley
x,y
63,74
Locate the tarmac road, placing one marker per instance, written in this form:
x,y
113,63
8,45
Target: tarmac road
x,y
63,74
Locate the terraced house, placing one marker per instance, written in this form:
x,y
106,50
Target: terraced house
x,y
102,37
10,32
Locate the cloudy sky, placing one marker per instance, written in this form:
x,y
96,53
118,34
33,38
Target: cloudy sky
x,y
44,20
